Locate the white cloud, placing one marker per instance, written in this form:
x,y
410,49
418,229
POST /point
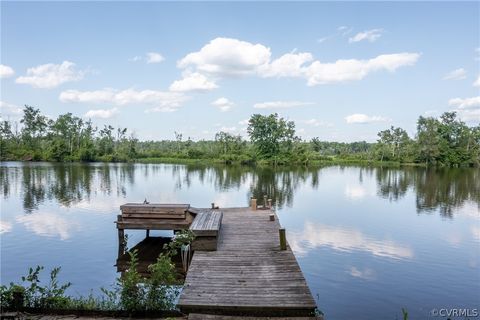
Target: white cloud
x,y
51,75
224,57
154,57
323,39
193,82
163,101
368,35
6,71
101,113
281,104
468,109
466,103
318,123
223,104
352,69
243,122
227,57
288,65
135,59
150,57
469,115
228,129
477,82
363,118
161,109
344,30
457,74
8,109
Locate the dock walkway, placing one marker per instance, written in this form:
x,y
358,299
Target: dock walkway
x,y
248,274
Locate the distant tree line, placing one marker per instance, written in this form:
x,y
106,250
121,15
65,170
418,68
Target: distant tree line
x,y
446,141
68,138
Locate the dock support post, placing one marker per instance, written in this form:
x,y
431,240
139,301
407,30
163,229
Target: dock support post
x,y
253,204
269,203
148,233
283,239
264,201
121,238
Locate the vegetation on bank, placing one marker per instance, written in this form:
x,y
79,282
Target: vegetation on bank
x,y
131,292
446,141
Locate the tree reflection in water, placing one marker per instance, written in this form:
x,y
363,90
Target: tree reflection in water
x,y
68,184
444,189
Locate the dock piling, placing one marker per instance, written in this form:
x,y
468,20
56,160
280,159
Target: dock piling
x,y
253,204
283,239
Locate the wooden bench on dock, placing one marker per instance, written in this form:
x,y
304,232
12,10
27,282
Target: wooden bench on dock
x,y
151,216
154,216
206,227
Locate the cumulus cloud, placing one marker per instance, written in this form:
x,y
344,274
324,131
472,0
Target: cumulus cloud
x,y
477,82
224,57
223,104
353,69
467,115
47,76
101,113
457,74
318,123
154,57
8,109
368,35
344,30
150,57
228,129
163,101
193,82
363,118
466,103
6,71
467,109
227,57
281,104
288,65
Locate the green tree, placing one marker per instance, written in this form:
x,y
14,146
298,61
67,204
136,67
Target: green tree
x,y
271,135
34,127
428,140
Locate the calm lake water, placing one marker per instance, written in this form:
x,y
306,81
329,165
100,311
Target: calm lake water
x,y
369,240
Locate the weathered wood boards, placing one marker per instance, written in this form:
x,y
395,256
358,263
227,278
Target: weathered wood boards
x,y
154,210
248,274
154,216
206,226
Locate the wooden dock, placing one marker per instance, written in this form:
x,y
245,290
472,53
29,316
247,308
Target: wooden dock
x,y
248,274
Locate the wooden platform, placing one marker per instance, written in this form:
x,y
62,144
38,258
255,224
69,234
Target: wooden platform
x,y
248,275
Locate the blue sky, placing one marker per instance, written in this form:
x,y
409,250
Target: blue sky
x,y
341,70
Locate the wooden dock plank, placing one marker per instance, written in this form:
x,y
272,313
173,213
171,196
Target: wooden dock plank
x,y
248,274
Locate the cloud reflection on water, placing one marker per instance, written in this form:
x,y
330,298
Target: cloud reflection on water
x,y
344,239
5,226
49,225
